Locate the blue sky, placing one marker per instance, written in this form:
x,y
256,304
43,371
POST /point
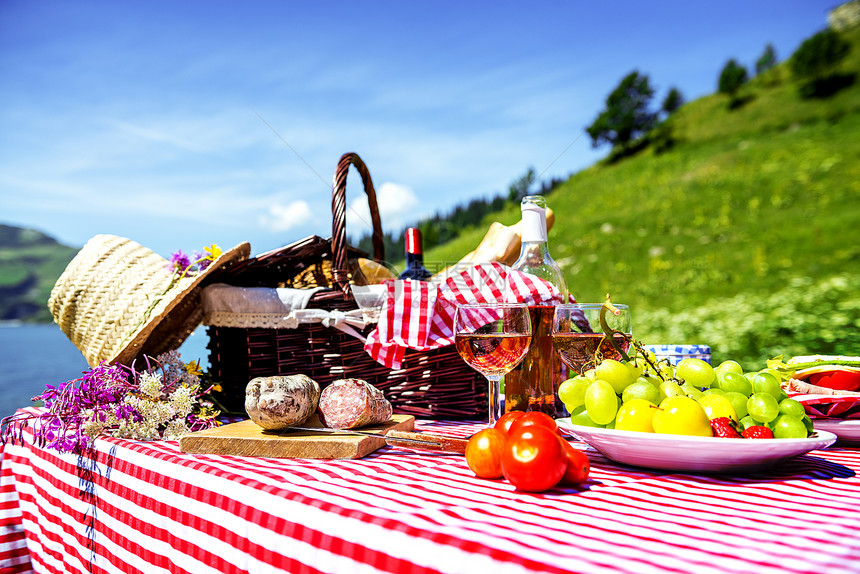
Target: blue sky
x,y
184,123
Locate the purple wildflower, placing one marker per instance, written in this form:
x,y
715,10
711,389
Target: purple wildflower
x,y
103,384
196,422
99,397
203,260
179,262
128,412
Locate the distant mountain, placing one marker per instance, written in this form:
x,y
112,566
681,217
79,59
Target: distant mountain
x,y
30,263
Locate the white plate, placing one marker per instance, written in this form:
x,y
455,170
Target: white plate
x,y
695,453
846,430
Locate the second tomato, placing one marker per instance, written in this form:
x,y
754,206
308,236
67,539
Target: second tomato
x,y
506,420
578,465
534,418
534,459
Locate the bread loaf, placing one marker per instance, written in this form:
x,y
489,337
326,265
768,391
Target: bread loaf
x,y
501,244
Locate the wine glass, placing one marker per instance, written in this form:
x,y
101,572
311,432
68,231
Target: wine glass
x,y
492,338
577,332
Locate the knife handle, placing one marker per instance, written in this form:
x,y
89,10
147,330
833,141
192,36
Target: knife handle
x,y
445,443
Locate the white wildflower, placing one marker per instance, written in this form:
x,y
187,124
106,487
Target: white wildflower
x,y
110,419
150,384
175,429
158,409
92,427
144,430
156,413
182,401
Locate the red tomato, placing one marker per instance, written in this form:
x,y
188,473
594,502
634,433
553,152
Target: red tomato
x,y
534,458
578,465
534,418
838,380
484,452
506,420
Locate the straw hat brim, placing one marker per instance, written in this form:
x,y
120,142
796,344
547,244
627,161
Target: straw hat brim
x,y
115,300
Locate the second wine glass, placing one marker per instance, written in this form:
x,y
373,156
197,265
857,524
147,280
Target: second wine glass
x,y
577,334
492,338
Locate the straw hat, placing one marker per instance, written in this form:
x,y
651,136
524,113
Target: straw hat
x,y
115,300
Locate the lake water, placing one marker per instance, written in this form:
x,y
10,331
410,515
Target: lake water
x,y
33,356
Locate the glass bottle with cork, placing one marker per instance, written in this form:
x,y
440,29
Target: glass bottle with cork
x,y
533,384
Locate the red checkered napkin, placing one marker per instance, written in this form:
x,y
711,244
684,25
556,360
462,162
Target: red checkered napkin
x,y
420,315
830,406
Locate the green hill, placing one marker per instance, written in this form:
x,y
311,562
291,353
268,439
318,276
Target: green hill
x,y
744,235
30,263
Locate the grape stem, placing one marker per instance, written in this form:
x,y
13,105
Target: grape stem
x,y
609,336
608,332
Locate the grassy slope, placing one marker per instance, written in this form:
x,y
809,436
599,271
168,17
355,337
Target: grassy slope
x,y
46,262
747,200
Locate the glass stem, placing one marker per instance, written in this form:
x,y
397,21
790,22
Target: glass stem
x,y
495,400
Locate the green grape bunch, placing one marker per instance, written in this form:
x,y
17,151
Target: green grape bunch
x,y
633,394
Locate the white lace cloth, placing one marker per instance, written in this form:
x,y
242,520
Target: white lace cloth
x,y
269,308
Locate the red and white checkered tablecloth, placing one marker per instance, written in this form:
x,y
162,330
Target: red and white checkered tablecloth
x,y
149,508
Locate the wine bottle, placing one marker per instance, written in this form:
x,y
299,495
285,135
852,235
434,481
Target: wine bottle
x,y
533,384
414,257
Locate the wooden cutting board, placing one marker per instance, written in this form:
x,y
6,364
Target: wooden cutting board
x,y
246,438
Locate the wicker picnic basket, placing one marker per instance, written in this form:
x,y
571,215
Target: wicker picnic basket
x,y
434,384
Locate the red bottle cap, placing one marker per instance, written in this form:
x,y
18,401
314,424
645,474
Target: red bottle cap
x,y
413,241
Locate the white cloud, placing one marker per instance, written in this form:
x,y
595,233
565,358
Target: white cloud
x,y
285,217
397,208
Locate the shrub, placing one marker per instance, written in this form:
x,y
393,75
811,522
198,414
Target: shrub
x,y
818,56
672,102
807,317
766,61
732,78
815,63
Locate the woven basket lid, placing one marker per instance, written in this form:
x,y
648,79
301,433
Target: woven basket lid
x,y
115,303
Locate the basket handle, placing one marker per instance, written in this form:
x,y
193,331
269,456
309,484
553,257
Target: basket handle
x,y
340,273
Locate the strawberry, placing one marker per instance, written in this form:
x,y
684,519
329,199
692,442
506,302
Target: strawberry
x,y
724,427
757,432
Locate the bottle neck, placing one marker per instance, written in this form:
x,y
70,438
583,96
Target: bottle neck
x,y
534,254
413,243
534,248
414,259
534,224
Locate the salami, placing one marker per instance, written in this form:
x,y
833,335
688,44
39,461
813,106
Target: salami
x,y
804,387
352,403
281,402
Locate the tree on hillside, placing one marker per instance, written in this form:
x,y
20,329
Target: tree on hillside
x,y
815,62
732,79
766,61
626,115
672,101
662,137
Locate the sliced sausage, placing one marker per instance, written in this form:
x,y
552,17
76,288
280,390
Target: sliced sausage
x,y
353,403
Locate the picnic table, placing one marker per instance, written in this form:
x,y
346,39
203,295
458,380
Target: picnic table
x,y
148,507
